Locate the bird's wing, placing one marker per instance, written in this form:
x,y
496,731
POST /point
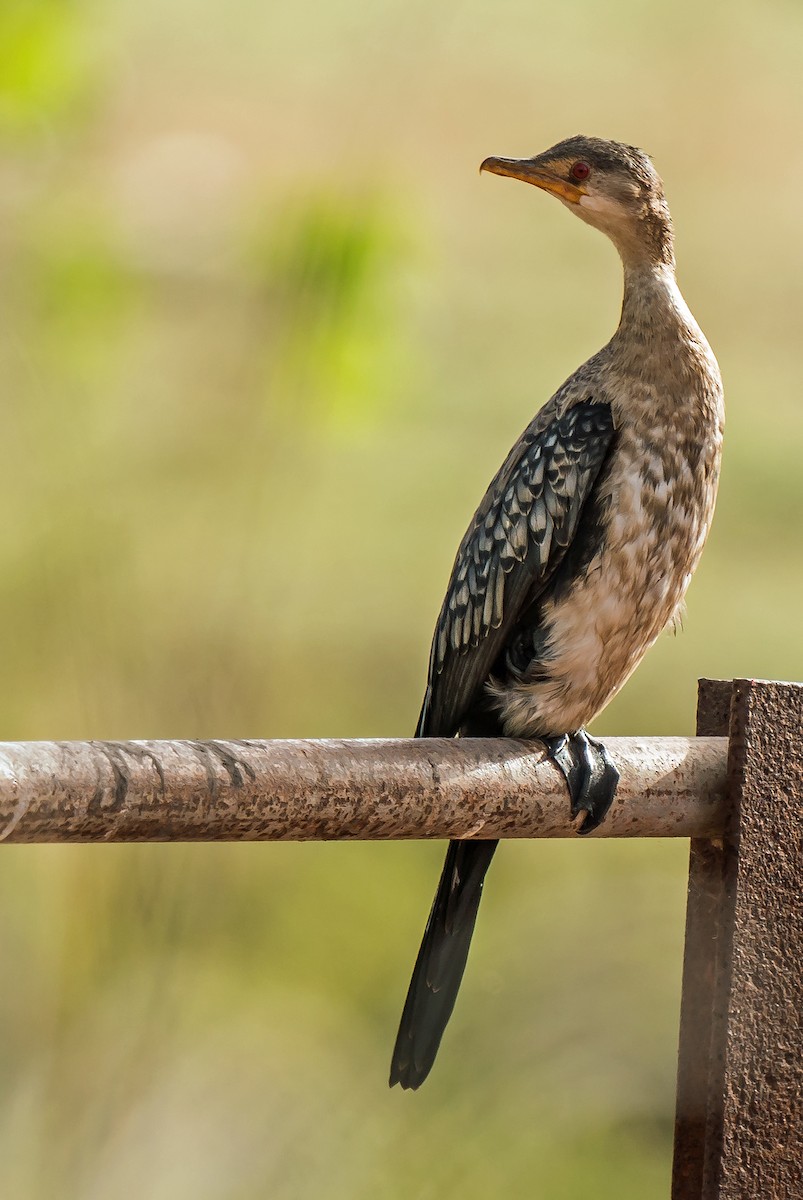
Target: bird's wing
x,y
519,535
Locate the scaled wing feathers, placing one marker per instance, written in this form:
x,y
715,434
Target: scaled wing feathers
x,y
519,536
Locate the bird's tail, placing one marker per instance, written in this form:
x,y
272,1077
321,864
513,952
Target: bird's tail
x,y
441,961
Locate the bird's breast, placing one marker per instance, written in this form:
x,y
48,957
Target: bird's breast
x,y
654,510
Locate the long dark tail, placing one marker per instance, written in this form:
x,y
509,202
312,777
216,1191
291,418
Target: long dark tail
x,y
441,962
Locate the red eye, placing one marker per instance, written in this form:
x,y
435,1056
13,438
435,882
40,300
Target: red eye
x,y
580,170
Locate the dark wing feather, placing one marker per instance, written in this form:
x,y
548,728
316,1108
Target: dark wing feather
x,y
518,538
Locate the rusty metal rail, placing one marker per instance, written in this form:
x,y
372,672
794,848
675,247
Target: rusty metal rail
x,y
344,790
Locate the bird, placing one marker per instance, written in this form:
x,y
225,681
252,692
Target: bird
x,y
581,550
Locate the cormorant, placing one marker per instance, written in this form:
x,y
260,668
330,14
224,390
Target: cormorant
x,y
581,550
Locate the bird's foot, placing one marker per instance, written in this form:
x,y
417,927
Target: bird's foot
x,y
590,776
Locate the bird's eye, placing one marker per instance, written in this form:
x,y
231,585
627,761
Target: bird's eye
x,y
580,170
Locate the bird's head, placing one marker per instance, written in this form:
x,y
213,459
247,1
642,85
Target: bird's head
x,y
608,185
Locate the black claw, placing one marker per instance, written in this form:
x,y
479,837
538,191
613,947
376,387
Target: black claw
x,y
590,775
563,754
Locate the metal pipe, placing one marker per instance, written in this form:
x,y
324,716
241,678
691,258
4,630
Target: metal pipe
x,y
344,790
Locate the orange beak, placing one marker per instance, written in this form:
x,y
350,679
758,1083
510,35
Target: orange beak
x,y
531,171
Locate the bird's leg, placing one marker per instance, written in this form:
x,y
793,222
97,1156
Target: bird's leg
x,y
589,773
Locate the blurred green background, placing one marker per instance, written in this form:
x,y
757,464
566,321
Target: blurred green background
x,y
264,338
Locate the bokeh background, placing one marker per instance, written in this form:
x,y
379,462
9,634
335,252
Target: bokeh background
x,y
264,338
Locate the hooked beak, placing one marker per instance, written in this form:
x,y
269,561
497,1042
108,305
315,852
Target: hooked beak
x,y
530,171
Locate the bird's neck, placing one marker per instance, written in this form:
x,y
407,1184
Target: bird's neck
x,y
652,305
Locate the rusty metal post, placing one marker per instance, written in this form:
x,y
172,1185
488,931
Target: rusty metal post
x,y
739,1122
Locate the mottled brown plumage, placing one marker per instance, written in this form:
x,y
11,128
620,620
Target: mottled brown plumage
x,y
582,548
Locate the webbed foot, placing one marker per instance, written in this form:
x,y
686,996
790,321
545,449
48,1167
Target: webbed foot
x,y
589,773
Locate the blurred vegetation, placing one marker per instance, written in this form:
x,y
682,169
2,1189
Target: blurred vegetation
x,y
264,338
